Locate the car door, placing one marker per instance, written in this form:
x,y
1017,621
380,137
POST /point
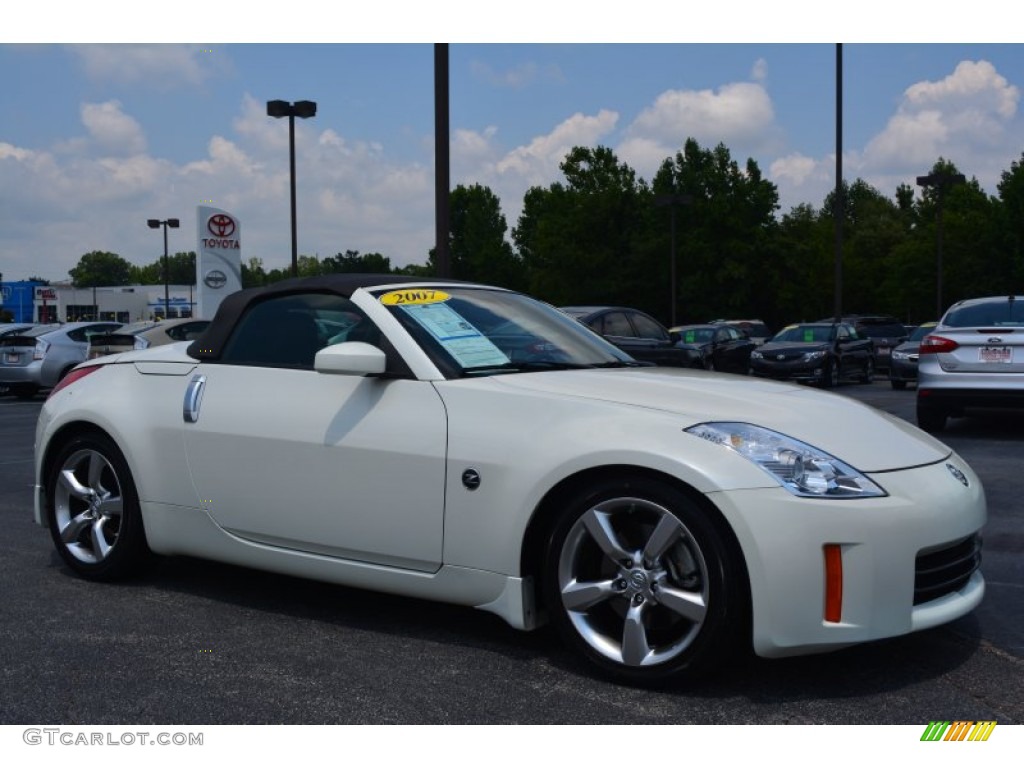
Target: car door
x,y
732,350
337,465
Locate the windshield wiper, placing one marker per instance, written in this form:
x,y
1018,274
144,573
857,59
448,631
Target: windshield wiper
x,y
625,364
526,365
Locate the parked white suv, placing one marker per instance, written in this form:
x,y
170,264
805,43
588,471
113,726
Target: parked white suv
x,y
974,358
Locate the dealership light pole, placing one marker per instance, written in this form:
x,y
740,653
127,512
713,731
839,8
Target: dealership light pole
x,y
672,201
173,224
941,183
303,109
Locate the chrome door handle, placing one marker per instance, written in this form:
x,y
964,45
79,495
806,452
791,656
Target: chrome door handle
x,y
193,398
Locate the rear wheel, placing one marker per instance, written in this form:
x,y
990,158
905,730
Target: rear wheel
x,y
93,510
641,582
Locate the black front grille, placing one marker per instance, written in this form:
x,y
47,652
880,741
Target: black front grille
x,y
946,570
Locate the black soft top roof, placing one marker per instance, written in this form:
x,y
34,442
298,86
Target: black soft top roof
x,y
211,343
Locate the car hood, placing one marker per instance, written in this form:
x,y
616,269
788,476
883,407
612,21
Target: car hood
x,y
775,347
868,439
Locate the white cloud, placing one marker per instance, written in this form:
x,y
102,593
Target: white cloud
x,y
968,113
736,113
158,66
517,77
759,72
112,131
538,162
739,115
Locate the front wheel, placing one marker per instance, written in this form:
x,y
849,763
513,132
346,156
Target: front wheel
x,y
868,374
642,583
830,375
93,510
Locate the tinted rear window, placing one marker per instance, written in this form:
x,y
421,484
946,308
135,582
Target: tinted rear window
x,y
998,312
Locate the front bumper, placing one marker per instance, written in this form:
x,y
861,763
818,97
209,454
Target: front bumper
x,y
783,537
795,371
902,370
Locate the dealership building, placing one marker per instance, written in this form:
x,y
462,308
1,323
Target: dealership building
x,y
30,302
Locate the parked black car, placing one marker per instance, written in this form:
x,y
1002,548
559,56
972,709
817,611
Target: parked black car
x,y
819,353
885,331
722,347
903,363
637,334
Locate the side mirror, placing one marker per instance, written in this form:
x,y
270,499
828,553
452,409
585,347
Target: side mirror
x,y
351,358
674,337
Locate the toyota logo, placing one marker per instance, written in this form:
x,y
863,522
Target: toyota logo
x,y
215,278
221,225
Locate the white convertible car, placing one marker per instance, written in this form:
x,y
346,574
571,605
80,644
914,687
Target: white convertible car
x,y
473,445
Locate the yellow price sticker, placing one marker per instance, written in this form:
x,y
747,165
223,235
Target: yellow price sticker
x,y
413,296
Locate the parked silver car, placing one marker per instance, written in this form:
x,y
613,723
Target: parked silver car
x,y
974,358
40,357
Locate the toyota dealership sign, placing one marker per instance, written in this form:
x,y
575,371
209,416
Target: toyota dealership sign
x,y
219,266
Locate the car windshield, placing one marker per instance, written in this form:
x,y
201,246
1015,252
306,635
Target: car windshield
x,y
40,330
995,313
476,331
137,327
806,333
696,335
921,331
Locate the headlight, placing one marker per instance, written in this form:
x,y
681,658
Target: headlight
x,y
801,469
140,343
900,355
757,355
808,356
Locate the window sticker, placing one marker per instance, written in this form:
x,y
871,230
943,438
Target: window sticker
x,y
413,296
808,334
461,340
691,337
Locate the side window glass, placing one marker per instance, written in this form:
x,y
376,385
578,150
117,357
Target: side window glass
x,y
288,331
648,329
616,324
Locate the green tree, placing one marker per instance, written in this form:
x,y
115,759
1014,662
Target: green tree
x,y
583,241
477,240
353,261
100,268
724,232
1010,218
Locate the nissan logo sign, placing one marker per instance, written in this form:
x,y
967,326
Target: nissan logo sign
x,y
215,279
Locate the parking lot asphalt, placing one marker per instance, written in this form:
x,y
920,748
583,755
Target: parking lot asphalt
x,y
195,642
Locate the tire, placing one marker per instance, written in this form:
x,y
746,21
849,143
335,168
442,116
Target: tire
x,y
640,581
931,419
830,375
709,363
898,384
869,372
93,510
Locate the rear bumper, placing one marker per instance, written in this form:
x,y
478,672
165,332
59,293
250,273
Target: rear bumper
x,y
959,398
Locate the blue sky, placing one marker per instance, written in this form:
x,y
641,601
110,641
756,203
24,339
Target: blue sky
x,y
95,137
